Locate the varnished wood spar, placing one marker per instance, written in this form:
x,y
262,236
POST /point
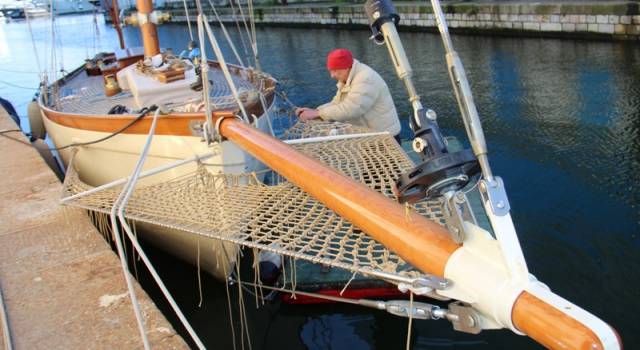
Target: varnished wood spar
x,y
422,243
172,124
148,30
551,327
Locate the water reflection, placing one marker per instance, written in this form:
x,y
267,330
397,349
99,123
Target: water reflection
x,y
337,331
562,119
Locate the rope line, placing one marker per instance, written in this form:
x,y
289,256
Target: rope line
x,y
33,41
279,218
186,11
226,34
19,71
119,131
240,33
17,86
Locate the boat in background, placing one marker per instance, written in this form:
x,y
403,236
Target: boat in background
x,y
21,9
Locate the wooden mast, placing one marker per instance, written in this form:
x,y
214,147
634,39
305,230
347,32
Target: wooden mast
x,y
148,29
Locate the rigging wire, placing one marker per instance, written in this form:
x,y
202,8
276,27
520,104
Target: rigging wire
x,y
33,42
223,65
186,11
53,42
19,71
143,112
252,21
19,139
17,86
235,18
254,45
226,35
284,97
95,32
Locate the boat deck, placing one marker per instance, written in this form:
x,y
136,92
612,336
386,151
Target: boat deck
x,y
84,94
62,285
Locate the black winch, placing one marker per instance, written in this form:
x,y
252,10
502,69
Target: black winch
x,y
440,170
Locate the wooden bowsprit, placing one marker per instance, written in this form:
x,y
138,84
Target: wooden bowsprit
x,y
533,310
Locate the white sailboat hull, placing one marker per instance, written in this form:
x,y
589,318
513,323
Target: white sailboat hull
x,y
115,158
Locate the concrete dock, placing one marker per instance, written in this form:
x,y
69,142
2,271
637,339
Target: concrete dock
x,y
62,285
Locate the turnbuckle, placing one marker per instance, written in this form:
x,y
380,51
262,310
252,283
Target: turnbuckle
x,y
462,316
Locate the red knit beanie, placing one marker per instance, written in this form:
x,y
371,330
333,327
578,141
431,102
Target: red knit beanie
x,y
339,59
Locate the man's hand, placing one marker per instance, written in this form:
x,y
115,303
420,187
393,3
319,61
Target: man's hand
x,y
305,113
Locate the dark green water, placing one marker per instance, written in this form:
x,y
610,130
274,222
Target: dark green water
x,y
562,121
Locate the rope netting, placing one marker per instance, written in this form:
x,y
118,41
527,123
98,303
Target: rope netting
x,y
279,217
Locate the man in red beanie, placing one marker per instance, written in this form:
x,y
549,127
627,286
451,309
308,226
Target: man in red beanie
x,y
363,97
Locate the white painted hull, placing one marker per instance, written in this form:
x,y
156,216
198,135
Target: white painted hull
x,y
115,158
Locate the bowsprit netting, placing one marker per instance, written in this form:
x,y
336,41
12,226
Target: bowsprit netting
x,y
281,217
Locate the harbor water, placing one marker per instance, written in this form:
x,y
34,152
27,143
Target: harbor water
x,y
562,122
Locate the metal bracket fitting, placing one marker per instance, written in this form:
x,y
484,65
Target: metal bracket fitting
x,y
456,210
406,308
493,191
464,318
431,281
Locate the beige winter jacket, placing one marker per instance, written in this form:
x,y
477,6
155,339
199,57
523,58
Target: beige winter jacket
x,y
364,100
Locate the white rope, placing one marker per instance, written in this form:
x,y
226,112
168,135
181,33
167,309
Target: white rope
x,y
33,42
235,18
254,45
120,202
244,323
348,282
54,57
254,42
119,206
226,285
186,11
226,35
223,67
199,277
142,175
204,75
333,138
410,320
53,42
96,32
246,26
263,102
